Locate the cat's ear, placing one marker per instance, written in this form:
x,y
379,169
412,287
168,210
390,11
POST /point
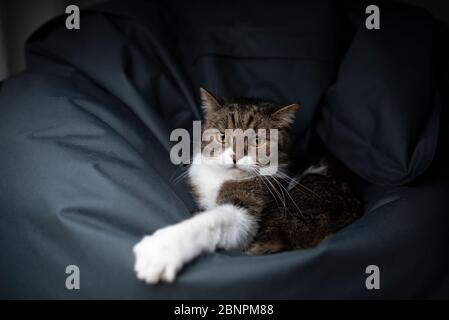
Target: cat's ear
x,y
285,115
209,102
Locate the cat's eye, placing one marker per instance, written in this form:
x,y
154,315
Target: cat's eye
x,y
220,137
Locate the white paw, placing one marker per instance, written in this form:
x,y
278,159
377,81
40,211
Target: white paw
x,y
160,256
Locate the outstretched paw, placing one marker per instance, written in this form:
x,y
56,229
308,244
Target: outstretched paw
x,y
160,256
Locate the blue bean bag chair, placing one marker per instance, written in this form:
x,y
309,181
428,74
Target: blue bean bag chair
x,y
85,169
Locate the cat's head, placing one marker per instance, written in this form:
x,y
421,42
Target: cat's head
x,y
247,136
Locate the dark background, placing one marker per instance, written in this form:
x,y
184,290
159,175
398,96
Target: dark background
x,y
19,18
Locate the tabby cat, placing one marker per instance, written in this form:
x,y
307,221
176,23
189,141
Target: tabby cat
x,y
244,206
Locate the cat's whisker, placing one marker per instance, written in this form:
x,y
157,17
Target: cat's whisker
x,y
270,190
284,206
286,178
297,182
184,173
283,194
292,200
178,178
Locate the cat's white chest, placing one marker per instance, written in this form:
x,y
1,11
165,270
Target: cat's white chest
x,y
208,180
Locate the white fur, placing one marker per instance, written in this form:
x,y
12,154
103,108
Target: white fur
x,y
160,256
208,176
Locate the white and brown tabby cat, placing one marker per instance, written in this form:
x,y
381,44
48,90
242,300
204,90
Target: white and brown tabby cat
x,y
243,208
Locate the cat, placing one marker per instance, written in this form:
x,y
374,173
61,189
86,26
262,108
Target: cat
x,y
242,206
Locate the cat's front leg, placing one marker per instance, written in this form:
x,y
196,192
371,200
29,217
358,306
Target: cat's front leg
x,y
161,256
158,257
